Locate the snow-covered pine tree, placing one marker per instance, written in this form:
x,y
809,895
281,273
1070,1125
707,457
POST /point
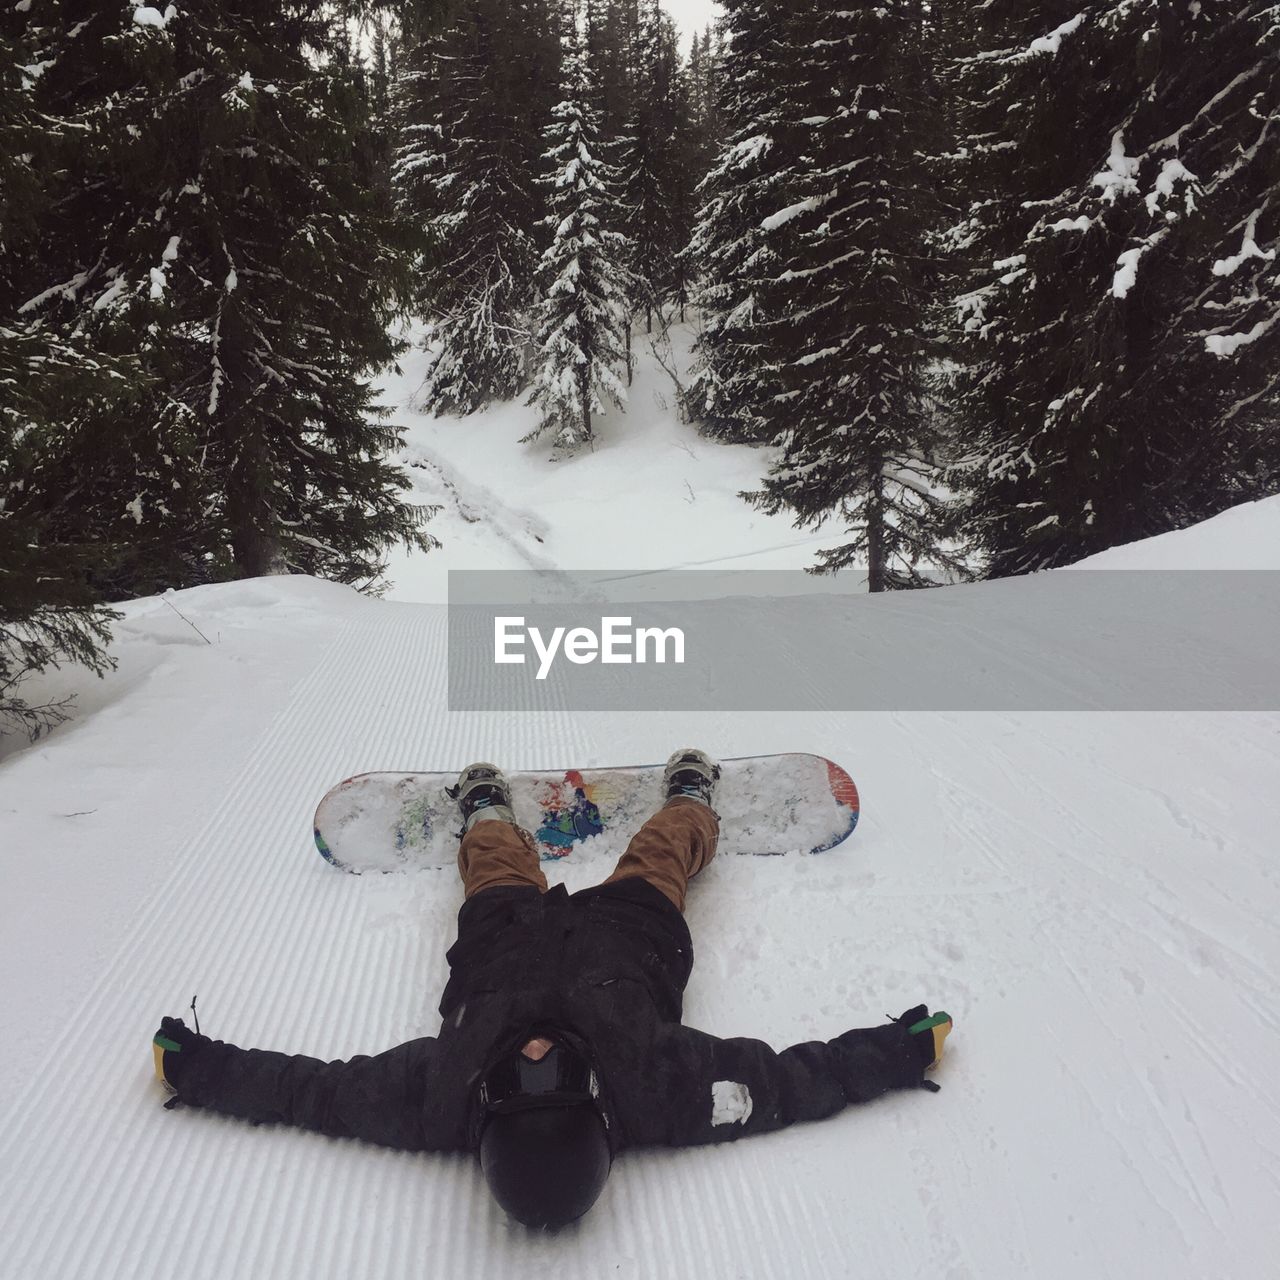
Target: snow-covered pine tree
x,y
36,635
415,20
1119,330
935,42
580,340
222,223
28,146
846,308
698,143
609,28
703,74
1230,140
420,66
729,250
48,611
376,33
649,160
609,44
690,163
103,460
477,98
22,191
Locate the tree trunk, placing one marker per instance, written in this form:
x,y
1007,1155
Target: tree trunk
x,y
877,568
254,546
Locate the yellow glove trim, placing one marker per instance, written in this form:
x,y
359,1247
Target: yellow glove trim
x,y
940,1034
157,1053
939,1024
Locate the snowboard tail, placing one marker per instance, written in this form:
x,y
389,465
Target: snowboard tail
x,y
767,805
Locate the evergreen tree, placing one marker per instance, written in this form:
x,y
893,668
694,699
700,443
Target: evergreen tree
x,y
467,166
690,163
649,159
219,224
1119,330
416,21
609,34
714,43
698,141
610,31
377,33
730,248
91,441
582,318
845,330
419,66
1234,242
35,637
48,613
702,69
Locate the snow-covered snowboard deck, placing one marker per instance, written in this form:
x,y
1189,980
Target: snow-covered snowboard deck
x,y
767,805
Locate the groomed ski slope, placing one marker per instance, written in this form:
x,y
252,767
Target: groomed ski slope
x,y
1092,896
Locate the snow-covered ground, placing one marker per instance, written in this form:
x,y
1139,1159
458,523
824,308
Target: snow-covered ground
x,y
1245,537
1092,896
652,494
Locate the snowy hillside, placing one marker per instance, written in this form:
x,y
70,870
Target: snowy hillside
x,y
1092,896
651,495
1245,537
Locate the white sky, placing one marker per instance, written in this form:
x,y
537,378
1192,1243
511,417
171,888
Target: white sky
x,y
691,15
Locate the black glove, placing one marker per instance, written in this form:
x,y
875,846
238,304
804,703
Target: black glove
x,y
928,1032
174,1046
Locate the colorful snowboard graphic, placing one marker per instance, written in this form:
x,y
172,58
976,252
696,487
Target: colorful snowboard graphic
x,y
569,815
767,805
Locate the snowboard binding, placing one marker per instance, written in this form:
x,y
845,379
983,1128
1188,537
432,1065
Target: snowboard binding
x,y
692,773
482,792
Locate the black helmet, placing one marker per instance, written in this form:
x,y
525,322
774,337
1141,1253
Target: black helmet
x,y
544,1145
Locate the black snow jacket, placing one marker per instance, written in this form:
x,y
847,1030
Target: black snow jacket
x,y
604,968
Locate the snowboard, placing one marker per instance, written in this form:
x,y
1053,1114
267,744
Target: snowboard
x,y
767,804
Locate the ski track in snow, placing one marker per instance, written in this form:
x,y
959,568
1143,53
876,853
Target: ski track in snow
x,y
512,528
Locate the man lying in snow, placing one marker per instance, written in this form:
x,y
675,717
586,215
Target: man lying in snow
x,y
561,1041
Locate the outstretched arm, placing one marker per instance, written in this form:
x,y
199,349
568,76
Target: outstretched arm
x,y
725,1089
379,1099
